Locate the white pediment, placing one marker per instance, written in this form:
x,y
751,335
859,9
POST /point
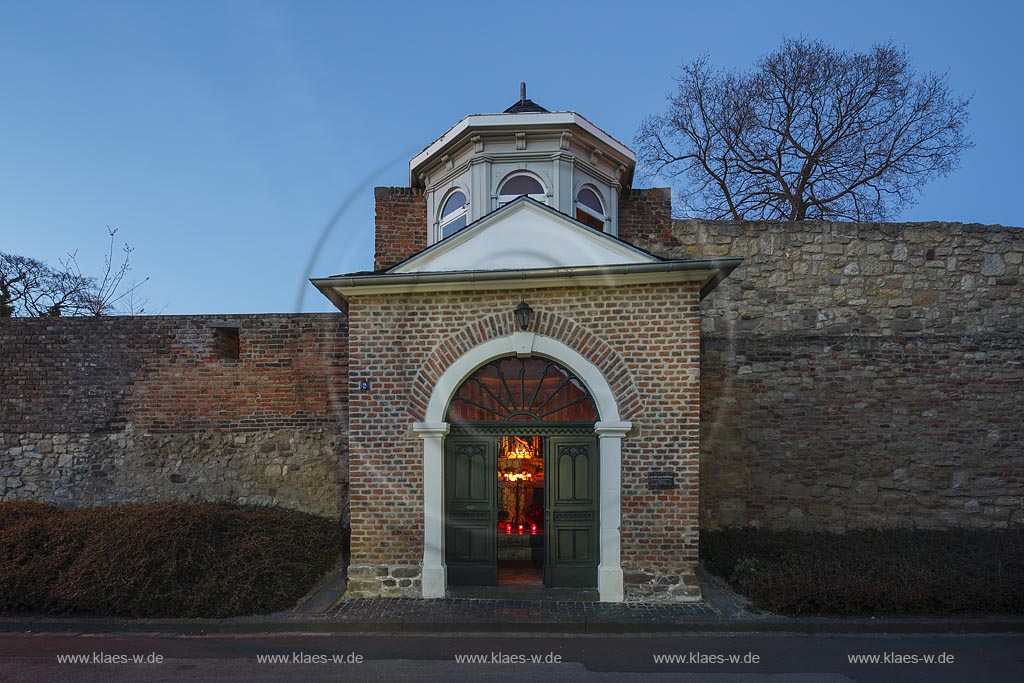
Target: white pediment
x,y
523,234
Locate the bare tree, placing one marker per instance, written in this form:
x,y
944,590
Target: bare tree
x,y
105,294
18,275
29,287
810,133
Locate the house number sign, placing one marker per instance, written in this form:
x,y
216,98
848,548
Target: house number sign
x,y
661,480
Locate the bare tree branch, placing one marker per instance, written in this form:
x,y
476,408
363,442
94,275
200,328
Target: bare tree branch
x,y
29,287
810,133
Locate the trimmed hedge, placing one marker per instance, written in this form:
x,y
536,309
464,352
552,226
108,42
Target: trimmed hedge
x,y
872,572
160,559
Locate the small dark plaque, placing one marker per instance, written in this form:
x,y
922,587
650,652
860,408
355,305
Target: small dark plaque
x,y
364,385
660,480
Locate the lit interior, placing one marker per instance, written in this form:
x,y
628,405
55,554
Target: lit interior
x,y
520,509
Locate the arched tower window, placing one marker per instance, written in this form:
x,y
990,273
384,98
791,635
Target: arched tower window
x,y
589,209
522,390
454,213
521,184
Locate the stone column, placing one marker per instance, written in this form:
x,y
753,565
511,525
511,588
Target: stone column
x,y
434,578
609,571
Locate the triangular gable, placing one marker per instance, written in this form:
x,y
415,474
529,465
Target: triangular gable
x,y
523,234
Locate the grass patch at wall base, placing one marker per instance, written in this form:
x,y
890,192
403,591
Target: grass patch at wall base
x,y
160,559
872,572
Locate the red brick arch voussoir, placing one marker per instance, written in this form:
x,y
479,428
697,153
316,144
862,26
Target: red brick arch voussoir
x,y
547,324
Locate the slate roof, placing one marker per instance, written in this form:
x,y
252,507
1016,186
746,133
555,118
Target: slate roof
x,y
526,106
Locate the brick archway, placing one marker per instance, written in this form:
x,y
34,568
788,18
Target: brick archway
x,y
547,324
610,431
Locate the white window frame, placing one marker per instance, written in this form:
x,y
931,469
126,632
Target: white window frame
x,y
603,217
443,221
504,199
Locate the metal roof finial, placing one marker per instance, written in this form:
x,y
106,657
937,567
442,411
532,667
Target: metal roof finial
x,y
525,106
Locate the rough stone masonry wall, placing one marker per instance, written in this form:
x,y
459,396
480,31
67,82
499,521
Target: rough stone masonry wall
x,y
98,411
861,375
400,345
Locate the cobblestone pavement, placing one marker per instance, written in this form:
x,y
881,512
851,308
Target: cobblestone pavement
x,y
463,610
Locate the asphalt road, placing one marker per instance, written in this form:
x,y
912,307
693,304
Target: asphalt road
x,y
761,657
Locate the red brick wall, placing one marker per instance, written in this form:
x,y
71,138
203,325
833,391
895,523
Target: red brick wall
x,y
163,373
645,218
400,225
400,343
101,411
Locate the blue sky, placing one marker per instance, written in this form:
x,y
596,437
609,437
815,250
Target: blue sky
x,y
220,137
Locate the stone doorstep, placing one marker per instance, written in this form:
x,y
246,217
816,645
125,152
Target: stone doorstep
x,y
329,594
524,593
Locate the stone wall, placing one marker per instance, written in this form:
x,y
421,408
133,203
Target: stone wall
x,y
861,375
402,343
241,408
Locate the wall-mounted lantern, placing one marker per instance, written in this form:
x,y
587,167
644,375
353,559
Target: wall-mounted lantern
x,y
524,314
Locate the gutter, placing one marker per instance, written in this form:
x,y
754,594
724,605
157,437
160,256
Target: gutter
x,y
717,269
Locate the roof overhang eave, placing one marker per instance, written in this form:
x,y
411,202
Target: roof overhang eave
x,y
709,272
484,123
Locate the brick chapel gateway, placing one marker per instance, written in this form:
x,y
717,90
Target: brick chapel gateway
x,y
547,380
528,380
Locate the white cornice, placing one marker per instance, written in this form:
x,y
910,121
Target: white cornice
x,y
515,123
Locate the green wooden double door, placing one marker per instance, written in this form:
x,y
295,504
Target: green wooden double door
x,y
571,533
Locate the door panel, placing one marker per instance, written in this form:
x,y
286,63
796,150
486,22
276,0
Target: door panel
x,y
571,512
471,482
573,545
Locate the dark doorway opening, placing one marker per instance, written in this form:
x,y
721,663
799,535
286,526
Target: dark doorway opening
x,y
521,510
521,479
